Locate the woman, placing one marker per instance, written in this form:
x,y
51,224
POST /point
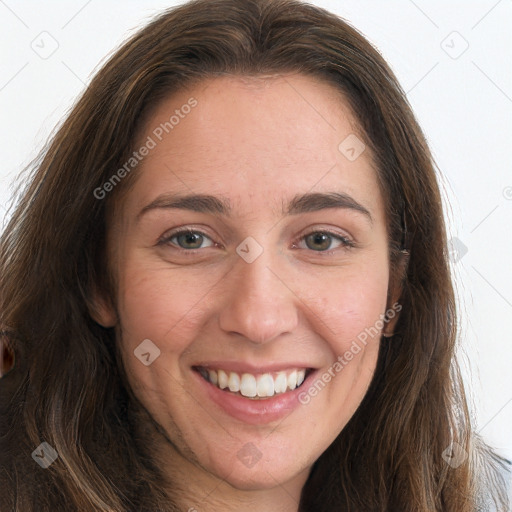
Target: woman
x,y
226,286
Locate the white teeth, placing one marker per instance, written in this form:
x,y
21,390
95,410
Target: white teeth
x,y
292,380
248,385
222,379
265,385
234,382
280,383
212,374
252,386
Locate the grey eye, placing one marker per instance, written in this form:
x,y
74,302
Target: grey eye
x,y
189,240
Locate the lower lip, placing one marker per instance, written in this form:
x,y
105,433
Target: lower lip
x,y
255,412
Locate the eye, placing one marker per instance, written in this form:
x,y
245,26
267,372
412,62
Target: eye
x,y
323,241
187,239
318,241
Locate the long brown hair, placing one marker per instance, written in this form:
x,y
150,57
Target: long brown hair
x,y
66,387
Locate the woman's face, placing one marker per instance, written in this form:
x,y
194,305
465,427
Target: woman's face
x,y
251,252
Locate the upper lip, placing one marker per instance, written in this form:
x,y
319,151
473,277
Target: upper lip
x,y
244,367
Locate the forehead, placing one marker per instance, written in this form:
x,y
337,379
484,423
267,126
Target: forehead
x,y
255,141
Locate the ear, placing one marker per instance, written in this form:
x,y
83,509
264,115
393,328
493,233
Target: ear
x,y
394,293
101,309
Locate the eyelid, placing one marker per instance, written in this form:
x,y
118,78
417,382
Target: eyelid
x,y
346,241
165,238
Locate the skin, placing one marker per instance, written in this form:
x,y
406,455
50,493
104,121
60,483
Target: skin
x,y
256,143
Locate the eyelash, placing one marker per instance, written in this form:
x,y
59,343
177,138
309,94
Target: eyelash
x,y
346,243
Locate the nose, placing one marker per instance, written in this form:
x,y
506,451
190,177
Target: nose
x,y
261,305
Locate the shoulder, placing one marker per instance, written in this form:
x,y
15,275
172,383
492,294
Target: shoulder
x,y
494,482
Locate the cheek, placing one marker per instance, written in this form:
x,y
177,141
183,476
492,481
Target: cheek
x,y
349,303
170,306
352,316
156,303
359,310
349,310
161,304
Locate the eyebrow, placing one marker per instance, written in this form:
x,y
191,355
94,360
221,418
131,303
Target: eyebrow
x,y
301,203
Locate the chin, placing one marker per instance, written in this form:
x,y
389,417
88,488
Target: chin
x,y
260,480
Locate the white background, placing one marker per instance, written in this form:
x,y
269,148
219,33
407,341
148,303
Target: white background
x,y
463,100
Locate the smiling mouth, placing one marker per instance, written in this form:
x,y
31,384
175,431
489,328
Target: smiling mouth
x,y
255,386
